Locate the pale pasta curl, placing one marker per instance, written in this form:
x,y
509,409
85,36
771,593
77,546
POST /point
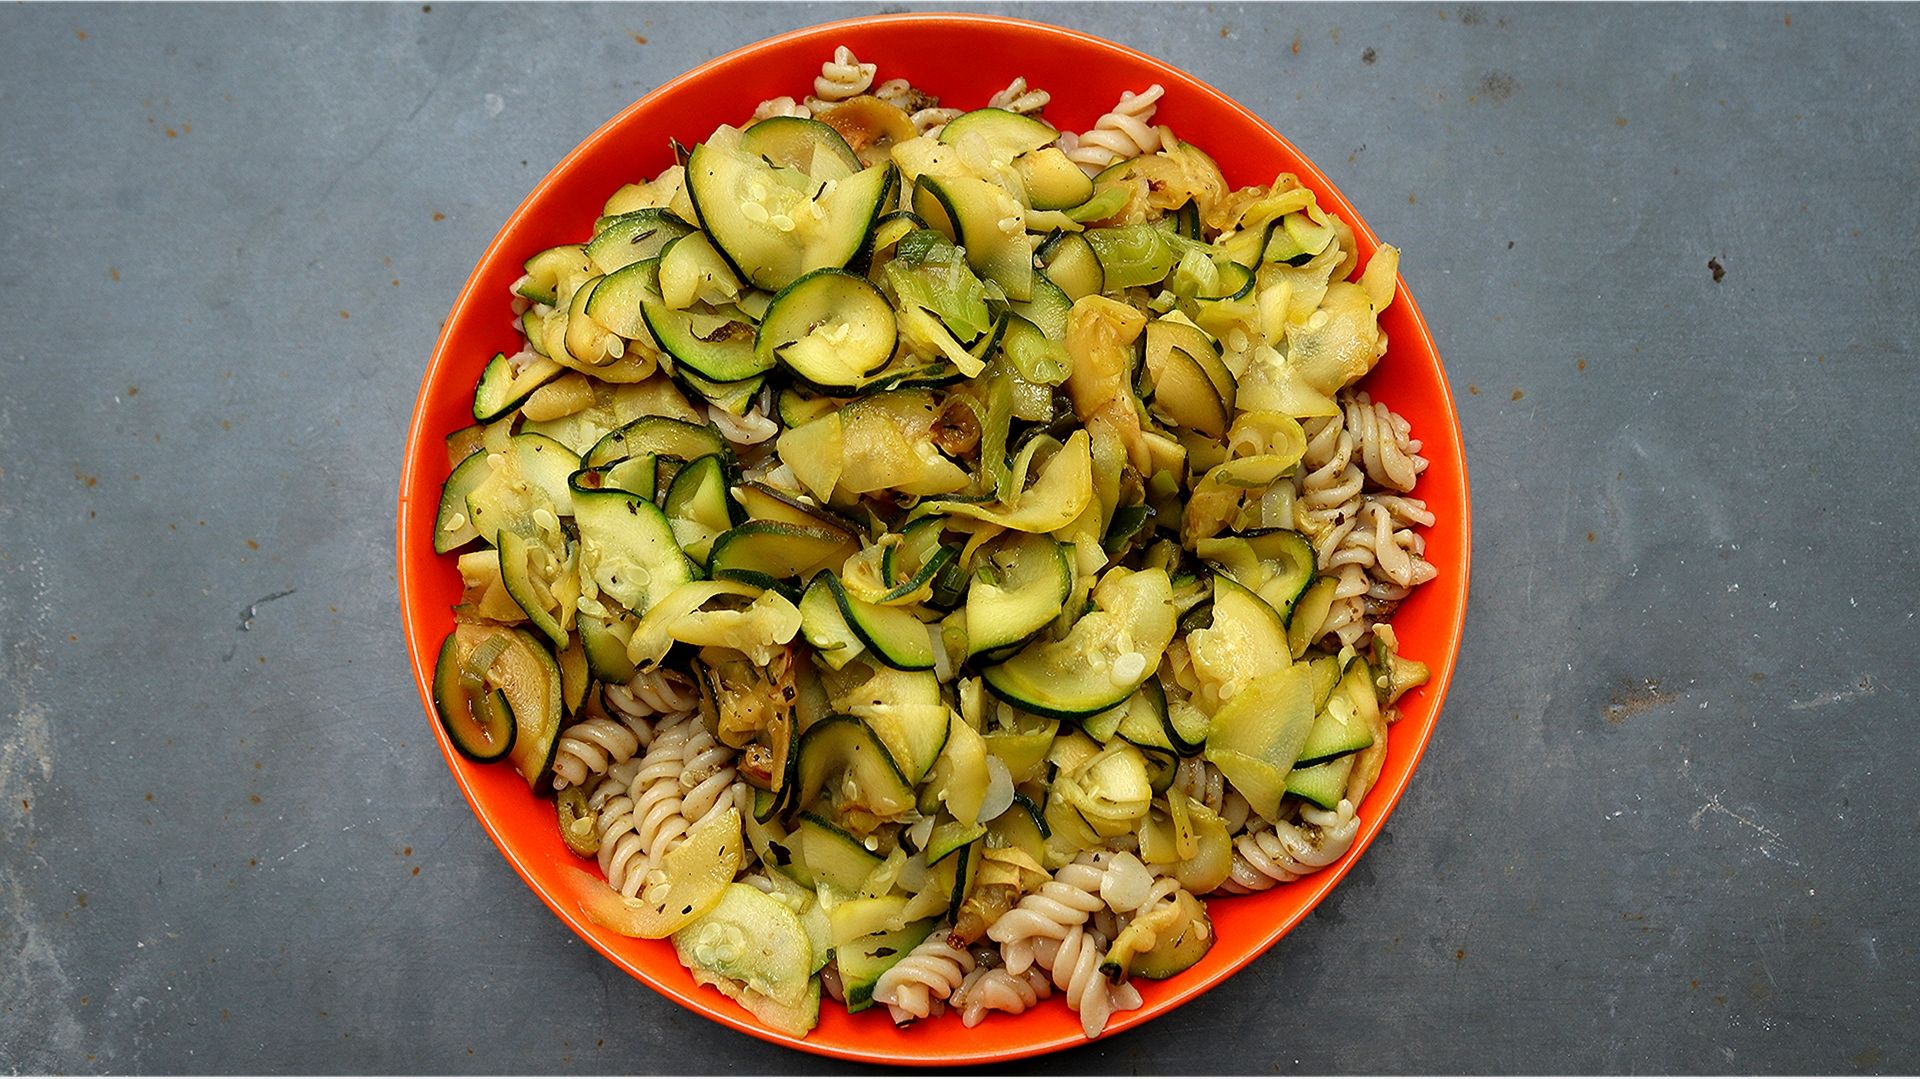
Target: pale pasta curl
x,y
843,77
1125,131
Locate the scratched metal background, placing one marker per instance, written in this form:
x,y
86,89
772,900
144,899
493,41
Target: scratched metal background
x,y
1669,820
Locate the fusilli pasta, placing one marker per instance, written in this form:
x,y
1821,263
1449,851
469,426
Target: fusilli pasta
x,y
1017,97
596,743
1124,131
996,989
1285,852
916,985
843,76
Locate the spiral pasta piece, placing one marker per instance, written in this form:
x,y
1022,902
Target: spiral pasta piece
x,y
931,120
1124,131
621,856
929,974
654,693
1059,905
843,77
598,742
1285,852
1074,963
1391,456
996,989
781,106
1019,98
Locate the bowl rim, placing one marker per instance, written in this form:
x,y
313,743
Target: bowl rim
x,y
1319,884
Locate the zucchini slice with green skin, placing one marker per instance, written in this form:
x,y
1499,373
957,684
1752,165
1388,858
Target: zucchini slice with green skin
x,y
1323,784
546,268
628,547
1007,134
1073,265
690,268
517,571
1020,826
827,853
841,754
1037,358
863,961
453,527
775,224
825,627
525,672
506,498
697,506
797,408
1345,723
905,711
1183,367
616,302
735,398
764,503
752,938
1083,673
794,142
606,648
658,435
1047,309
986,222
633,237
1052,180
779,552
830,327
1257,734
1017,589
500,390
634,475
893,636
1276,564
1309,613
480,723
726,355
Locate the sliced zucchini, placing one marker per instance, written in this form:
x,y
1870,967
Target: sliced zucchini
x,y
697,506
1073,265
501,389
987,222
864,960
825,627
778,551
764,503
795,142
691,270
1006,134
1020,826
615,302
725,353
1017,589
774,224
906,712
1257,734
1309,613
1083,673
633,237
657,435
628,548
798,408
546,269
1346,721
842,756
1185,392
736,398
1323,784
1052,180
830,327
891,634
480,722
453,527
532,475
525,672
634,475
829,855
525,580
1130,255
605,643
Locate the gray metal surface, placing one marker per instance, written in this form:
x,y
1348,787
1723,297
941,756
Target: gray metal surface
x,y
1668,821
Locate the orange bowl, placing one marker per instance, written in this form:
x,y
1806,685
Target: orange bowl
x,y
963,58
